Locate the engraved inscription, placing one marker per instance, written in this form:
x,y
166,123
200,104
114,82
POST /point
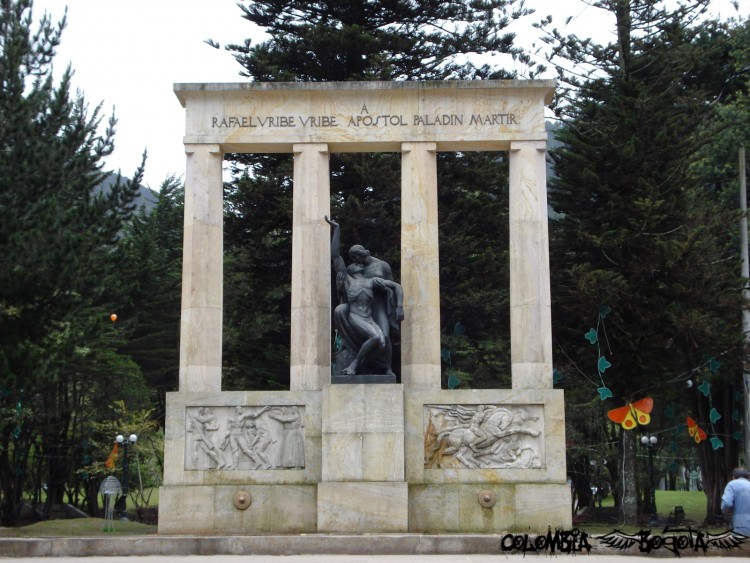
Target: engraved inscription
x,y
483,436
233,438
364,120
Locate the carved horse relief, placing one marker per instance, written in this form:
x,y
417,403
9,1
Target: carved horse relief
x,y
483,436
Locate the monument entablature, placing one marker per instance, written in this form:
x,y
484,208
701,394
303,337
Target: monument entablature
x,y
355,452
365,116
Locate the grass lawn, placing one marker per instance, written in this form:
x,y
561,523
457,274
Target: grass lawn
x,y
149,497
87,527
82,527
692,502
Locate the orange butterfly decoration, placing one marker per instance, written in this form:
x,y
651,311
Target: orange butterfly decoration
x,y
112,459
695,431
633,414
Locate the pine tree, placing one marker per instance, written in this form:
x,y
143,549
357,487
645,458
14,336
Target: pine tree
x,y
148,282
637,235
358,40
386,40
56,241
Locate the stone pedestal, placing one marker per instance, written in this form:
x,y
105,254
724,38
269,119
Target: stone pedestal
x,y
363,507
517,457
199,491
363,487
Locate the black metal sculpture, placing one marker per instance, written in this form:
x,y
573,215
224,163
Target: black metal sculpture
x,y
371,306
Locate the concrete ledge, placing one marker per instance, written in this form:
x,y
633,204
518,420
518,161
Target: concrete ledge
x,y
305,544
312,544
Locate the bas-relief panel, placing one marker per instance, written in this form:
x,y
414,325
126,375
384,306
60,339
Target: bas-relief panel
x,y
232,438
483,436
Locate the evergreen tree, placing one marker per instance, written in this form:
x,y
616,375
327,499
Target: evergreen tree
x,y
474,268
56,241
358,40
148,291
637,238
717,171
386,40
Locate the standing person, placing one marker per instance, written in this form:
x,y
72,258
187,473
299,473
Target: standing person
x,y
694,476
736,501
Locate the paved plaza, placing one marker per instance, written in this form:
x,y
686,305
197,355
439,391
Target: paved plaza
x,y
349,559
364,548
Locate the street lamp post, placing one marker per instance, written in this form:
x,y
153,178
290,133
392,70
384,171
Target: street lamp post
x,y
649,442
121,504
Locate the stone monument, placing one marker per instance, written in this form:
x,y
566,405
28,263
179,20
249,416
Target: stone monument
x,y
359,457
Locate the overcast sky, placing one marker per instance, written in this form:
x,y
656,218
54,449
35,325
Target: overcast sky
x,y
127,54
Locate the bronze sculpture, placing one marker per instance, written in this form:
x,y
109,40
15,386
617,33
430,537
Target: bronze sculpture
x,y
371,305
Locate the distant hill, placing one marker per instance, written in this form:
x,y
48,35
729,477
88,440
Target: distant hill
x,y
147,197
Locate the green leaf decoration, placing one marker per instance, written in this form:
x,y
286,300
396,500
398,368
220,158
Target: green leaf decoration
x,y
705,388
714,365
459,329
736,415
557,375
604,393
603,364
591,336
453,380
604,310
669,411
716,443
714,416
445,354
681,428
737,436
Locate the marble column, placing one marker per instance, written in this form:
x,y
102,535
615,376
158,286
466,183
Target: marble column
x,y
202,271
420,276
311,269
530,303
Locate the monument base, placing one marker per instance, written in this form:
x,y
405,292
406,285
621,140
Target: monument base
x,y
367,379
458,508
363,507
377,459
373,373
213,509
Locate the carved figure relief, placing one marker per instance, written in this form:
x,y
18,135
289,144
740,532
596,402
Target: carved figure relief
x,y
483,436
233,438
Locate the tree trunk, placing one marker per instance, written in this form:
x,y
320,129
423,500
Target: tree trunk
x,y
581,485
717,463
629,506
